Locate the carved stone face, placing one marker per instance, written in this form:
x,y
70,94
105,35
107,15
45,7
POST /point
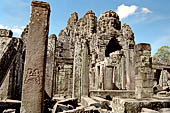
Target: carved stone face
x,y
115,58
145,60
131,43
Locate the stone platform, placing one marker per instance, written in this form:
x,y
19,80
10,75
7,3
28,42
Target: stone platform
x,y
123,105
113,93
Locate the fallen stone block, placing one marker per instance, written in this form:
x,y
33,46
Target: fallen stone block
x,y
71,101
105,104
146,110
10,111
77,110
87,101
59,108
123,105
91,109
164,110
162,94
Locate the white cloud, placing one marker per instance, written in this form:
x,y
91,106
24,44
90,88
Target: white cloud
x,y
146,10
124,11
3,27
16,30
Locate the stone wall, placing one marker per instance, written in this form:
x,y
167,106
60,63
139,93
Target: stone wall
x,y
12,65
64,79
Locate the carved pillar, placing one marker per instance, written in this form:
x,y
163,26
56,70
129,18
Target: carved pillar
x,y
85,72
77,70
35,65
143,71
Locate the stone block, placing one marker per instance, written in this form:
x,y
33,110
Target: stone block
x,y
120,105
146,110
164,110
10,111
87,101
70,101
5,33
104,103
148,83
138,82
60,108
143,46
145,69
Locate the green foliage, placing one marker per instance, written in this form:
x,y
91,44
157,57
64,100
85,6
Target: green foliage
x,y
163,53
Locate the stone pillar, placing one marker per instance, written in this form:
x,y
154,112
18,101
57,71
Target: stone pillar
x,y
85,72
50,76
77,64
143,71
108,79
97,74
36,50
102,76
128,69
123,72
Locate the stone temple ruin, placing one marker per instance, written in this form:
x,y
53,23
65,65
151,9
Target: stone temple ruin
x,y
93,66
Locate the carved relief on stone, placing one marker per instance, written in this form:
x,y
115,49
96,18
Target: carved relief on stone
x,y
32,75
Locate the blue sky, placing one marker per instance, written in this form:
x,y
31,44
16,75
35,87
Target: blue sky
x,y
149,19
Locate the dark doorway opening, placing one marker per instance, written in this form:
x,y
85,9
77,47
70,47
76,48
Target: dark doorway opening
x,y
157,75
112,46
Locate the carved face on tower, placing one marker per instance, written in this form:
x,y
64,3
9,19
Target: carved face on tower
x,y
108,20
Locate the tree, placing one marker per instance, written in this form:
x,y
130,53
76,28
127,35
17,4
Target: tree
x,y
163,53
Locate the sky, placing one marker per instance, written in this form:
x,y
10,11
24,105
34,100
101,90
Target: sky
x,y
149,19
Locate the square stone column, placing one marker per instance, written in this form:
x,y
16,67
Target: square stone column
x,y
108,79
35,62
108,76
85,71
143,71
123,72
